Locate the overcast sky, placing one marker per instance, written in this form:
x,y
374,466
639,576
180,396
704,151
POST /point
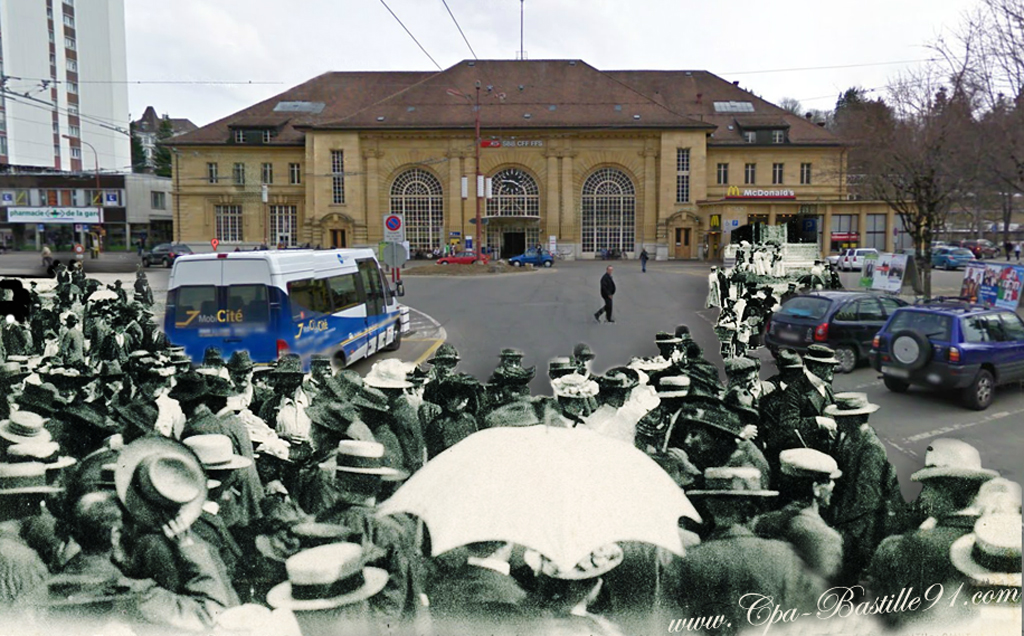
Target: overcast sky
x,y
288,42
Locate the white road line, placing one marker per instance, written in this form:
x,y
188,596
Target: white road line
x,y
959,427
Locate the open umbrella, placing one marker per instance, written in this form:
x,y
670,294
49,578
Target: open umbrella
x,y
562,491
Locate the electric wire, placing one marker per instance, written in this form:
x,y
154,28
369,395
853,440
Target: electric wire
x,y
411,35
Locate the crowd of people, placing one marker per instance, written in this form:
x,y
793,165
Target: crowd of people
x,y
143,493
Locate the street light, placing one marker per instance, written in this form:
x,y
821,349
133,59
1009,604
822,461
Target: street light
x,y
479,177
99,194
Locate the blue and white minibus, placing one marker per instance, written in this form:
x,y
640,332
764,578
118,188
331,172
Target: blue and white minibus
x,y
333,302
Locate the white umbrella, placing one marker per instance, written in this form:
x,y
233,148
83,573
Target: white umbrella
x,y
563,492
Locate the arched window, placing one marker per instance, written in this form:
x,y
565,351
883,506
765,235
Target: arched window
x,y
417,194
514,193
609,211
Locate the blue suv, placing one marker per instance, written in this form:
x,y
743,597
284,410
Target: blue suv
x,y
951,345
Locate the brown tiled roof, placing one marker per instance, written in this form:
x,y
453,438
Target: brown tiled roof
x,y
695,93
554,93
150,123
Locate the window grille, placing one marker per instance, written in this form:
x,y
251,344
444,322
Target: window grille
x,y
229,223
338,176
515,193
609,211
418,195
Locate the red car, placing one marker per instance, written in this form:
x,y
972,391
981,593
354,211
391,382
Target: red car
x,y
462,258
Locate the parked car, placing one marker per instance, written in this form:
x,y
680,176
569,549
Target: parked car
x,y
981,248
853,258
537,258
951,257
951,345
846,321
463,258
164,254
833,259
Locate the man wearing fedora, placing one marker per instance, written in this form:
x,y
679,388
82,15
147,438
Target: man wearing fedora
x,y
360,474
867,504
445,359
508,401
811,475
950,479
583,356
286,381
732,561
72,344
704,437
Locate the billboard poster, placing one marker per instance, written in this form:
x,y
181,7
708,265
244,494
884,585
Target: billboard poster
x,y
887,272
867,272
993,285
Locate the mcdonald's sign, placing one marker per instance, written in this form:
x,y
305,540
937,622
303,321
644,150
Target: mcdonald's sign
x,y
756,193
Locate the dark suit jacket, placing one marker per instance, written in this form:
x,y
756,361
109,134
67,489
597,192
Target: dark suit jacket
x,y
607,285
472,592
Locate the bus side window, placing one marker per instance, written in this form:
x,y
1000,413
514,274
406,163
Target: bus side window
x,y
309,296
343,291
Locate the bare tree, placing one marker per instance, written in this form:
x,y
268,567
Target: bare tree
x,y
913,151
792,105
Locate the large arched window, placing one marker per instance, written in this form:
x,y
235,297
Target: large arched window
x,y
514,193
609,211
417,194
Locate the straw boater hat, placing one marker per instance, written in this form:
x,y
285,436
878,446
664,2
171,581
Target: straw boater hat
x,y
807,462
574,385
445,353
673,386
360,457
990,556
46,453
158,479
216,453
732,481
388,374
953,458
560,366
327,577
25,478
597,563
24,427
12,371
849,404
820,354
665,337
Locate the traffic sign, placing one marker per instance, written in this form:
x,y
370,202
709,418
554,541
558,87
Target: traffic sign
x,y
394,228
394,254
79,249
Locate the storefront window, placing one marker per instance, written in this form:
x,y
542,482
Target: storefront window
x,y
874,235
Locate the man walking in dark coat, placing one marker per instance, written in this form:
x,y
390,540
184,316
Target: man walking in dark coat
x,y
607,291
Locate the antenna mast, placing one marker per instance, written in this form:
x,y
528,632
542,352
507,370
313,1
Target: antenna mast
x,y
522,53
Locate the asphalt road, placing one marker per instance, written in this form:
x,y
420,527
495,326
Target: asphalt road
x,y
545,313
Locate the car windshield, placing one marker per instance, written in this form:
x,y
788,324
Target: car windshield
x,y
806,307
961,252
934,326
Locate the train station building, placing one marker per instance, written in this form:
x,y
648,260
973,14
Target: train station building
x,y
572,157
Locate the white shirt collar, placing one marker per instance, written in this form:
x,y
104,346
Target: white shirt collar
x,y
499,566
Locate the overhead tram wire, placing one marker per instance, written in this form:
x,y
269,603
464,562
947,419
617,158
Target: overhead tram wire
x,y
826,68
464,38
411,35
50,106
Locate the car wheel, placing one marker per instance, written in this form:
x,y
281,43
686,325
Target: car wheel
x,y
911,350
979,395
397,342
847,357
547,263
444,262
145,262
168,262
896,386
516,264
476,262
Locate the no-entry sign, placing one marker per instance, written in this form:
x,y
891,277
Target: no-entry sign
x,y
394,228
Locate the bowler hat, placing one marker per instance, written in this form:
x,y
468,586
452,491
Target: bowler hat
x,y
445,353
213,358
337,416
732,481
512,375
511,354
683,332
24,427
850,403
947,457
215,452
326,577
618,379
159,479
789,359
582,351
288,365
990,556
820,354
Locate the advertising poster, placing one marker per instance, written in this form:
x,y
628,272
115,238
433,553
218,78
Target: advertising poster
x,y
888,272
993,284
867,272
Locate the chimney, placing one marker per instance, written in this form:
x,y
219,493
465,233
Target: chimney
x,y
736,83
700,98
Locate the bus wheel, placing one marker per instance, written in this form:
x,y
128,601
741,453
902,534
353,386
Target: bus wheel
x,y
338,361
396,343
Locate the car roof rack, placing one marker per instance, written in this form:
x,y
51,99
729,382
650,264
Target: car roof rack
x,y
962,302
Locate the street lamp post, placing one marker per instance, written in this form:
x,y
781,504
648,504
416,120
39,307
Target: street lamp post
x,y
99,194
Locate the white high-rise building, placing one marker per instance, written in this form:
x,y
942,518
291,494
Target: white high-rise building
x,y
63,73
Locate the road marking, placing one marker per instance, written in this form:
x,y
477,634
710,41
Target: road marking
x,y
959,427
430,351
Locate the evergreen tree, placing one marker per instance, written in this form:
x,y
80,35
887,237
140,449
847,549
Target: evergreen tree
x,y
138,153
162,154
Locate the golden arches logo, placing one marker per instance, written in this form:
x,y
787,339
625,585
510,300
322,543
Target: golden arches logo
x,y
733,191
